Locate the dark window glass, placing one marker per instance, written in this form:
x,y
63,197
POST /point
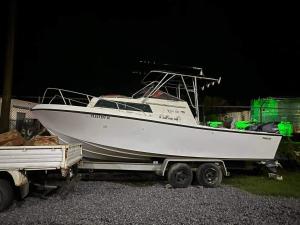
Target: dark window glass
x,y
124,106
106,104
134,106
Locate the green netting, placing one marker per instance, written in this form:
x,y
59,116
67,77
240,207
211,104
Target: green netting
x,y
215,124
264,110
289,110
285,128
242,125
277,110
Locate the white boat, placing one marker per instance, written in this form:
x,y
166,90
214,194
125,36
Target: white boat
x,y
154,124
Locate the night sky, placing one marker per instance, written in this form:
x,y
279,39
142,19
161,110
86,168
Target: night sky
x,y
94,48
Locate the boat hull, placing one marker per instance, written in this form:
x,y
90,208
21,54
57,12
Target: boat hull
x,y
108,137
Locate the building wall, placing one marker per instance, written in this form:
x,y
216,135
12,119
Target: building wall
x,y
26,124
236,116
20,106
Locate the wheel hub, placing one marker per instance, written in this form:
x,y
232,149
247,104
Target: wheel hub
x,y
180,176
211,175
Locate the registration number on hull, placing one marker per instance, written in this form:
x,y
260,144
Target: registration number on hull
x,y
99,116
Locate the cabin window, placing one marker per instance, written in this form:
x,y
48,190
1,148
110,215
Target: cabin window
x,y
123,105
106,104
134,106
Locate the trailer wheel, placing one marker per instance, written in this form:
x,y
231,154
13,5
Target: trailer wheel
x,y
180,175
209,175
6,194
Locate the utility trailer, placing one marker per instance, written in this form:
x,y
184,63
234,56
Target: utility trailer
x,y
20,164
179,171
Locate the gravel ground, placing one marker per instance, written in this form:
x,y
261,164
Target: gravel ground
x,y
135,202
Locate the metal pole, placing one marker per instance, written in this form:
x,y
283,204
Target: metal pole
x,y
8,69
204,122
196,100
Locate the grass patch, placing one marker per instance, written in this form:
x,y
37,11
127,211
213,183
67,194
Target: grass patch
x,y
262,185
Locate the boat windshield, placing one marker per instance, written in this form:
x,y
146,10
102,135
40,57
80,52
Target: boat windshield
x,y
159,94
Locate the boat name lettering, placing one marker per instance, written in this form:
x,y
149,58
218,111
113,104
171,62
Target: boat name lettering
x,y
267,138
100,116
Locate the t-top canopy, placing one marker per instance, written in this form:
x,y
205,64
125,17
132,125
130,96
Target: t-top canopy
x,y
174,85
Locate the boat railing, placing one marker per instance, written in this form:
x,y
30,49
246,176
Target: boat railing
x,y
69,100
61,94
85,97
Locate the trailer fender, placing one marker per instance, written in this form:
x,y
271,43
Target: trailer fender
x,y
19,178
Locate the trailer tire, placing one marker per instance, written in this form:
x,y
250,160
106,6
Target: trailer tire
x,y
6,194
180,175
209,175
